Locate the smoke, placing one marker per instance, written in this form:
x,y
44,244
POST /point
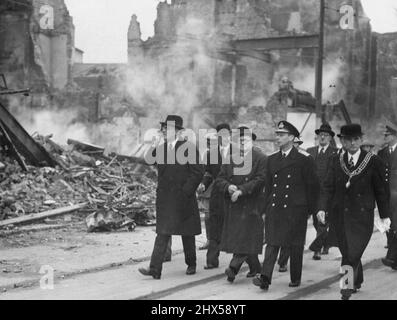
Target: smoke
x,y
177,80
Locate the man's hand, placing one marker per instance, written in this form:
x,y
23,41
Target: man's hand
x,y
201,188
387,223
321,217
232,189
236,195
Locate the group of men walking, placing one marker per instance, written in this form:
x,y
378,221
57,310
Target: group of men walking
x,y
270,200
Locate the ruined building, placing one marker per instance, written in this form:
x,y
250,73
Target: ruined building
x,y
194,51
36,46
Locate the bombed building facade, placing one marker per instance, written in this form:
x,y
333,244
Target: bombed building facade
x,y
36,45
245,61
202,44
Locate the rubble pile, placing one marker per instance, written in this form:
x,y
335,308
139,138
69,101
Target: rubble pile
x,y
118,193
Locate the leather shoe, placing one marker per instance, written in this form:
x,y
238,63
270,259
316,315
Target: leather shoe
x,y
346,294
211,266
148,272
191,271
294,284
230,275
317,256
261,282
394,267
387,262
283,269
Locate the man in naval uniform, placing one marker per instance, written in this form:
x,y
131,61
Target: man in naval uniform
x,y
389,157
291,192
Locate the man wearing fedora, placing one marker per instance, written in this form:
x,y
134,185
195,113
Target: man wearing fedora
x,y
176,203
291,191
215,157
389,157
241,184
352,186
322,155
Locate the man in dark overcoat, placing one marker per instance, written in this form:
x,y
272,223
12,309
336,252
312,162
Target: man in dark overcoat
x,y
322,155
242,183
291,191
353,185
179,175
215,157
389,157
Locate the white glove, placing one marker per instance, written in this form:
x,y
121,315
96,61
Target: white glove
x,y
201,188
236,195
232,189
387,223
321,217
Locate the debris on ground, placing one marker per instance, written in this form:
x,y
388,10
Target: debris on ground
x,y
117,189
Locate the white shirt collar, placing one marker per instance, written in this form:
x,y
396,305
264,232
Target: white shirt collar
x,y
286,152
393,147
225,149
324,148
173,144
355,157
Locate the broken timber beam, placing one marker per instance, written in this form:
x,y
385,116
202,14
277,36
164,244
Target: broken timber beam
x,y
42,215
277,43
85,147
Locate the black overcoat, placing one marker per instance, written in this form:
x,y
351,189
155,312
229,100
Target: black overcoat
x,y
352,208
291,193
176,203
243,224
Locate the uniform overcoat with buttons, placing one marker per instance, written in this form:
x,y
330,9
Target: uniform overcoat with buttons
x,y
243,224
353,208
390,161
176,202
291,194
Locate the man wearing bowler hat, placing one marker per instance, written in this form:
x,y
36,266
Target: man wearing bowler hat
x,y
352,186
241,183
322,155
216,156
389,157
291,192
176,203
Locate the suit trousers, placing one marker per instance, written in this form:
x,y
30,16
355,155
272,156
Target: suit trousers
x,y
392,251
251,259
160,248
215,226
284,256
356,264
296,262
321,240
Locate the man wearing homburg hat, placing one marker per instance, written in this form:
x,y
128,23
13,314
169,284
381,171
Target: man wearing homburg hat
x,y
322,155
291,191
353,185
215,157
176,203
389,157
241,183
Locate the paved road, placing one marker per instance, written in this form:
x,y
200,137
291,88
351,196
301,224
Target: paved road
x,y
320,281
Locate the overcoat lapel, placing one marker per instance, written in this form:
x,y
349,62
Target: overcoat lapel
x,y
288,161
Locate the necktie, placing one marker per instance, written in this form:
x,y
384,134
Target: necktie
x,y
391,150
284,155
322,151
351,162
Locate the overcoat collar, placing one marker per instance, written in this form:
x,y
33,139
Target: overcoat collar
x,y
288,161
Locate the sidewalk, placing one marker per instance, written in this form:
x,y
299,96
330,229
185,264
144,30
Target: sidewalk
x,y
75,252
